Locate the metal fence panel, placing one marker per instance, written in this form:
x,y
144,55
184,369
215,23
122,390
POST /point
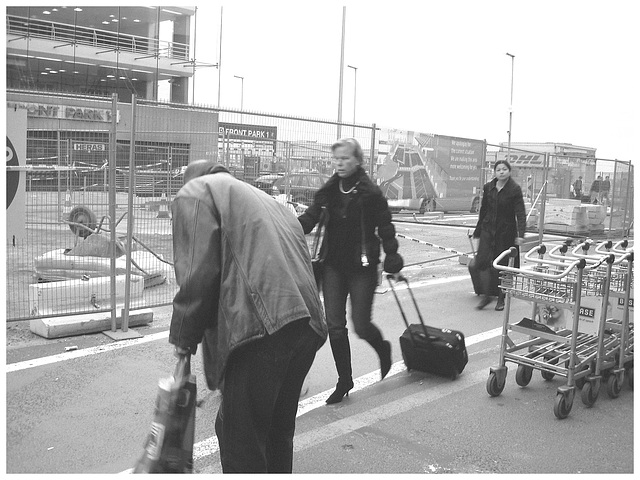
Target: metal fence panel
x,y
68,192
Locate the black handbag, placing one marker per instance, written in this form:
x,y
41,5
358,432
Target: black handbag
x,y
169,444
319,246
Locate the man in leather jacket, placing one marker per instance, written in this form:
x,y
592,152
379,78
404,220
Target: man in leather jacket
x,y
247,292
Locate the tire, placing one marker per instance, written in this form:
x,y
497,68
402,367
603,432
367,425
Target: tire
x,y
494,388
523,375
613,386
475,205
562,406
426,206
590,393
83,216
547,375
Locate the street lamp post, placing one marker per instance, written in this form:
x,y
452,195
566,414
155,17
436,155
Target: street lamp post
x,y
241,95
355,87
510,110
241,91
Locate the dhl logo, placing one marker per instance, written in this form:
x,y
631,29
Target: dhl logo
x,y
526,160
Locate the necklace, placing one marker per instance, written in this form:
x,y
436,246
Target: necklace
x,y
348,191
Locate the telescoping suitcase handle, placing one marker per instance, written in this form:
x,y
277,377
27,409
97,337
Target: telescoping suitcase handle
x,y
401,278
473,248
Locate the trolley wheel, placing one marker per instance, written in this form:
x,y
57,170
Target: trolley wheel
x,y
613,386
523,375
83,216
590,392
547,375
494,386
562,406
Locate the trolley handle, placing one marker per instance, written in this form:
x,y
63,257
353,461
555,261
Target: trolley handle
x,y
581,263
541,250
619,248
598,259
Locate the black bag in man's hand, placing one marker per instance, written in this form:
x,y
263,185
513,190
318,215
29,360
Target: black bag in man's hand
x,y
169,445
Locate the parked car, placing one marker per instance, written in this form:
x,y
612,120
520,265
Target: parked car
x,y
300,186
265,182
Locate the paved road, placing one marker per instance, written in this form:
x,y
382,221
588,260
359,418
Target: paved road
x,y
88,411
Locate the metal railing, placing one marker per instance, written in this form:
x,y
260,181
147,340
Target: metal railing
x,y
94,37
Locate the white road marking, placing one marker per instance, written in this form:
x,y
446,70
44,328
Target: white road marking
x,y
209,446
363,419
85,352
38,362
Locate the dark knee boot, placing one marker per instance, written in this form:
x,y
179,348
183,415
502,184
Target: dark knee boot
x,y
342,357
383,349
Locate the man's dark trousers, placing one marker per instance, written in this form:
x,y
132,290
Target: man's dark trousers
x,y
263,379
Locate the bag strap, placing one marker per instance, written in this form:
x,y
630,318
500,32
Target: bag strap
x,y
316,250
363,245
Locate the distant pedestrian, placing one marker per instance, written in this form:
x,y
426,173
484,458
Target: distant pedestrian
x,y
359,221
247,292
577,188
594,191
605,187
501,225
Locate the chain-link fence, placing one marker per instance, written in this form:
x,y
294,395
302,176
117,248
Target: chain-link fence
x,y
82,184
63,264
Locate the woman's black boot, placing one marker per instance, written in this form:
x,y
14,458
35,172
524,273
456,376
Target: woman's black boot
x,y
342,356
383,349
342,390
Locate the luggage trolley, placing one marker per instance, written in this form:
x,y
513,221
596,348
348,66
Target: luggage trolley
x,y
565,352
622,323
598,279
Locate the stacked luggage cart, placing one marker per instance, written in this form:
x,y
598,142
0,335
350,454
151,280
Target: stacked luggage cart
x,y
580,327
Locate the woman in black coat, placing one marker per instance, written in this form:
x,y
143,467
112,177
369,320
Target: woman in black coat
x,y
359,221
501,225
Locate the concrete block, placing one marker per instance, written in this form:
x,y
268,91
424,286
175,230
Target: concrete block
x,y
78,296
70,325
573,215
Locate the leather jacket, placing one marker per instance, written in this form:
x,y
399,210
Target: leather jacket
x,y
243,267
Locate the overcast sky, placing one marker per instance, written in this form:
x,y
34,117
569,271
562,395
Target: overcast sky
x,y
435,66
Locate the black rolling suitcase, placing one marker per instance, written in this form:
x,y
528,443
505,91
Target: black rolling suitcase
x,y
428,349
480,277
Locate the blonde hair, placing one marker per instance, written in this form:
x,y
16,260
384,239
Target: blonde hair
x,y
355,147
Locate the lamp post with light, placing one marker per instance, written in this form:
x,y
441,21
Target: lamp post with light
x,y
355,86
241,95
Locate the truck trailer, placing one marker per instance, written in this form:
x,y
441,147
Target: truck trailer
x,y
427,172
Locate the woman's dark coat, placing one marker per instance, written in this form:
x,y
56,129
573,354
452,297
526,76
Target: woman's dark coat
x,y
344,232
502,218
